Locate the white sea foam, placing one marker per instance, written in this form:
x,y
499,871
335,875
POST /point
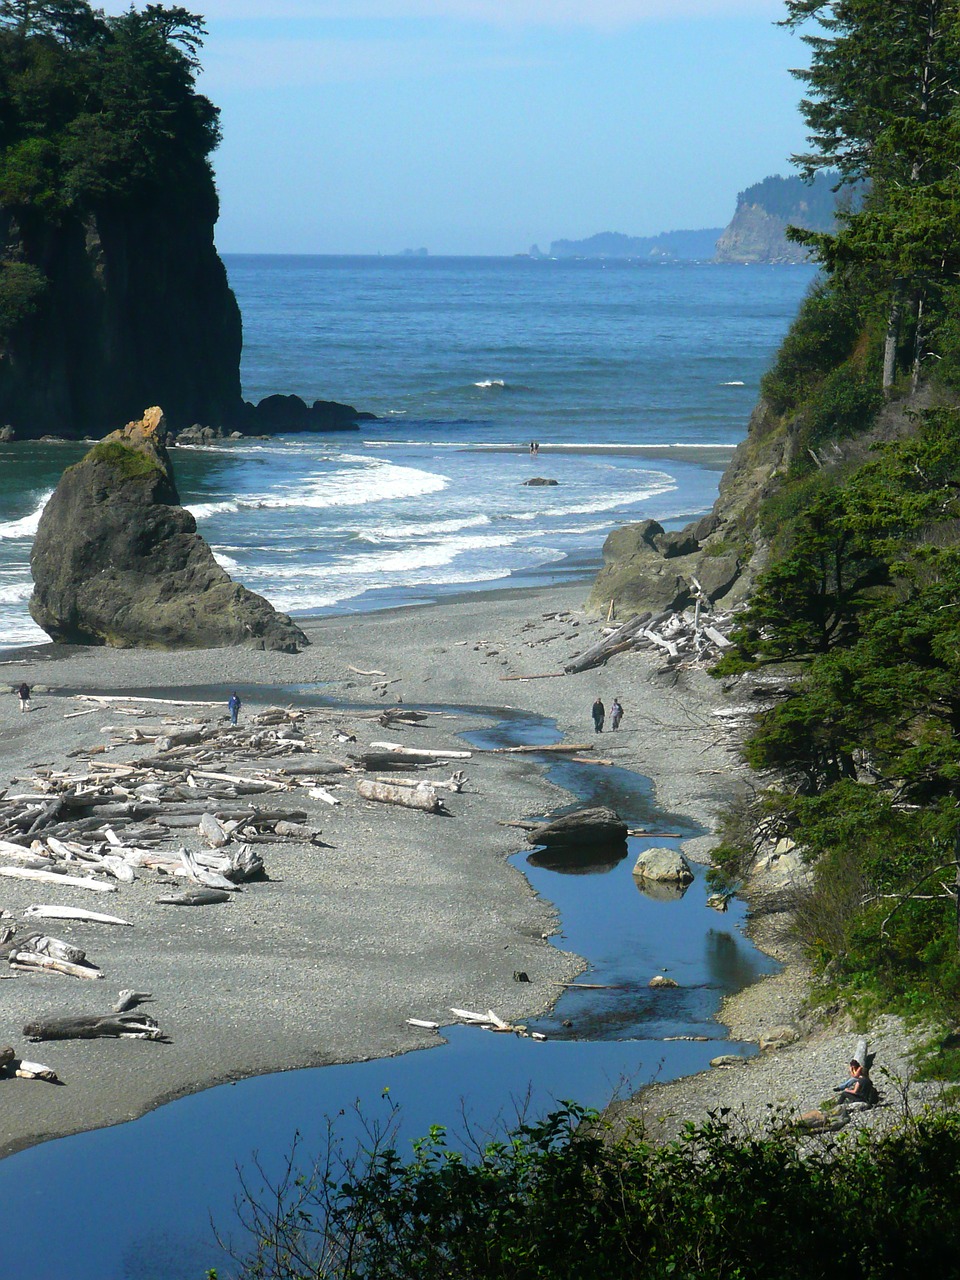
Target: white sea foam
x,y
225,561
26,526
202,510
488,383
428,528
304,600
735,383
358,485
15,592
376,565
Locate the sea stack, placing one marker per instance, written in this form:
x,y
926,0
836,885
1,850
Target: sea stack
x,y
118,561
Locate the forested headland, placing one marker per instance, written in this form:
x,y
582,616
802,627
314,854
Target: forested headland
x,y
859,527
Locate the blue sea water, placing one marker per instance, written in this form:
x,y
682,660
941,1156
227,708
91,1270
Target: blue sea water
x,y
636,380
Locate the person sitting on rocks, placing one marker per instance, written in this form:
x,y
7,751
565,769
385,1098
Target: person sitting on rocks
x,y
859,1087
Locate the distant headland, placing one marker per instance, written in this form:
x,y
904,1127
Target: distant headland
x,y
755,233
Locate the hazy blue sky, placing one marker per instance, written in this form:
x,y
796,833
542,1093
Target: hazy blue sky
x,y
482,126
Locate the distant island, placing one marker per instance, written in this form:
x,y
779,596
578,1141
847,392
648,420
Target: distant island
x,y
667,246
755,233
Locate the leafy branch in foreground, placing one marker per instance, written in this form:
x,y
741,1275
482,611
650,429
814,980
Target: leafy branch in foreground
x,y
564,1198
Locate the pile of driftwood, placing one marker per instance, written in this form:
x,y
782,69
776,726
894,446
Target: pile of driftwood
x,y
684,638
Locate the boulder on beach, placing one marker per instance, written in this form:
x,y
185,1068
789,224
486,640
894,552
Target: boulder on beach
x,y
599,825
118,561
663,865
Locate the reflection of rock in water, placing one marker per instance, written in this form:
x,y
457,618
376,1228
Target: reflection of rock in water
x,y
580,860
662,890
729,964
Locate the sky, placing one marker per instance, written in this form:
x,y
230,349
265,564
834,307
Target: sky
x,y
485,126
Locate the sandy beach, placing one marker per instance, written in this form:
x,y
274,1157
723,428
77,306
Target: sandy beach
x,y
397,914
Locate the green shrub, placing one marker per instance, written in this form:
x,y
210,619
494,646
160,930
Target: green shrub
x,y
824,333
22,288
563,1199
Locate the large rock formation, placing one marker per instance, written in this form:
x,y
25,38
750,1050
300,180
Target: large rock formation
x,y
135,309
118,561
758,230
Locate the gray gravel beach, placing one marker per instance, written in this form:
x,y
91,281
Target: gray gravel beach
x,y
397,913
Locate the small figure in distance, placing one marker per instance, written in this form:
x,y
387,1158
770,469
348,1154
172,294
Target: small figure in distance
x,y
598,711
533,448
233,706
616,714
23,693
859,1087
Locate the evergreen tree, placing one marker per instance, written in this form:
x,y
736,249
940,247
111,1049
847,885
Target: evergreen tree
x,y
881,108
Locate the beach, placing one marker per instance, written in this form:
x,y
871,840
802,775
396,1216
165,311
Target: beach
x,y
397,913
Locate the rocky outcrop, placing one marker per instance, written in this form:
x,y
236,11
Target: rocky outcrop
x,y
118,561
134,308
753,235
758,230
290,413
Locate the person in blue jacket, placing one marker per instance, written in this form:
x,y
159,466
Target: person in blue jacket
x,y
233,706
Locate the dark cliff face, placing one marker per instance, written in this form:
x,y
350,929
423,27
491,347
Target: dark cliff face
x,y
137,310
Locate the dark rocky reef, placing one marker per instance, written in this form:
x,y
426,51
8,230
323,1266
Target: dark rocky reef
x,y
290,413
118,561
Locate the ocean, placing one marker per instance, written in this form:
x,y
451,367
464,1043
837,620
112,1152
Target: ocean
x,y
635,379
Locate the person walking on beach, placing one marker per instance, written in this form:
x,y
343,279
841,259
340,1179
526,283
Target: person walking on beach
x,y
598,711
233,706
23,693
616,715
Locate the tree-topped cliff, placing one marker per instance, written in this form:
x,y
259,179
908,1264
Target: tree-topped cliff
x,y
758,230
111,291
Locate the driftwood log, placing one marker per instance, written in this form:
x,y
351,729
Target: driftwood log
x,y
421,797
126,1026
194,898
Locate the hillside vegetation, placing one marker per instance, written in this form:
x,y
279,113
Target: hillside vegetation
x,y
860,530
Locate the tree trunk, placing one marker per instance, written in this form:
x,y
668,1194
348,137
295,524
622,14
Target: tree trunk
x,y
892,337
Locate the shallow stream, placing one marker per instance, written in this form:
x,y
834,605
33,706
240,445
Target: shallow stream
x,y
136,1201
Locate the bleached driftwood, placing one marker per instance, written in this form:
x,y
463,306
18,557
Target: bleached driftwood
x,y
659,641
615,643
422,1022
128,999
420,753
73,913
558,747
35,1071
51,877
194,898
422,796
30,960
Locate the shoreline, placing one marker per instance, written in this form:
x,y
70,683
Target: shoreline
x,y
324,961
